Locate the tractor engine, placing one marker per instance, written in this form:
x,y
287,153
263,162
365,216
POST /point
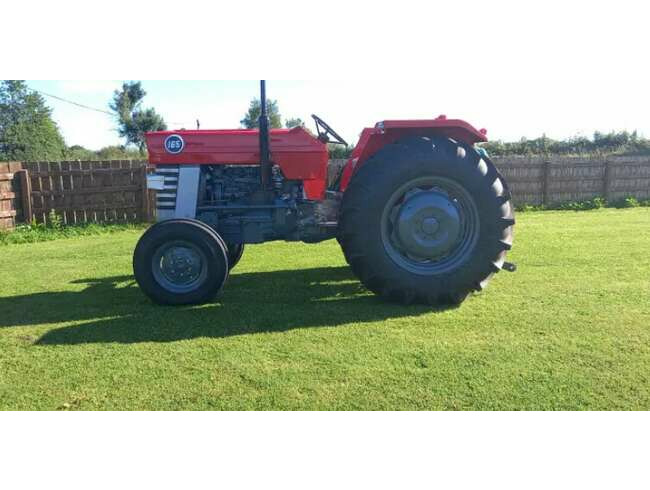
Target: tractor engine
x,y
231,200
222,184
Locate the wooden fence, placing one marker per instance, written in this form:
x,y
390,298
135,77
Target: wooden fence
x,y
538,180
81,192
115,191
563,179
9,194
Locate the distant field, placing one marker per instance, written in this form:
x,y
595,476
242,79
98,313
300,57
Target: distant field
x,y
294,330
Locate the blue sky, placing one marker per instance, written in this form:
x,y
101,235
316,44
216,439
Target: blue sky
x,y
509,109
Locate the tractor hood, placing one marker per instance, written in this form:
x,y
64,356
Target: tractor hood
x,y
230,146
299,154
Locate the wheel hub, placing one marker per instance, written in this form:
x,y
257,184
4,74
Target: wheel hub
x,y
430,225
427,225
181,265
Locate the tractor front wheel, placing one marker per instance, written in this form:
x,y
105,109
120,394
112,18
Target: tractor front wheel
x,y
235,252
180,262
426,220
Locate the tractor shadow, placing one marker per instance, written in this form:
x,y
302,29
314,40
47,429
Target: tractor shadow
x,y
113,309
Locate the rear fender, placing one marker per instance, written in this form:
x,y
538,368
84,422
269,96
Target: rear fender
x,y
385,133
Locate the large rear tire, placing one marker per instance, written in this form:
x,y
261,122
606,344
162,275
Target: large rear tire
x,y
426,220
180,262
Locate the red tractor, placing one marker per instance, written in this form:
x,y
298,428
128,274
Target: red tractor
x,y
422,215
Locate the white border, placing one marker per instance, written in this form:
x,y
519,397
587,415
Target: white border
x,y
377,41
324,450
288,39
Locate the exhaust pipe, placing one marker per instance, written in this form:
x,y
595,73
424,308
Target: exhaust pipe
x,y
265,157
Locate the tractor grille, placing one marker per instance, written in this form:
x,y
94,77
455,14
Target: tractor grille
x,y
166,198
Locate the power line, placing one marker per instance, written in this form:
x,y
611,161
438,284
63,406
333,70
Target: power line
x,y
74,103
112,114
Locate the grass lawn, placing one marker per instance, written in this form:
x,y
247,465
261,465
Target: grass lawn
x,y
294,329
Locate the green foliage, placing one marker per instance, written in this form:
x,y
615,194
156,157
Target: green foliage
x,y
54,221
252,118
118,153
599,202
294,123
38,232
77,152
627,202
527,208
133,120
595,203
27,131
621,142
339,152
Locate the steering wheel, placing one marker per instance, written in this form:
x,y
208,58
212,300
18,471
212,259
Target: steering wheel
x,y
324,132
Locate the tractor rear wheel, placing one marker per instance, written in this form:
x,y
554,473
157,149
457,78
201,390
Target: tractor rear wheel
x,y
179,262
426,220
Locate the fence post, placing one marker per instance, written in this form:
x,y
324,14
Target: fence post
x,y
146,211
546,182
26,194
607,181
7,197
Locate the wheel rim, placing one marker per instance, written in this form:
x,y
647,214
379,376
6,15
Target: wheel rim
x,y
430,225
179,266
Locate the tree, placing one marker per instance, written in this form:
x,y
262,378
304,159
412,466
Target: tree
x,y
294,123
27,131
78,152
339,152
118,153
133,120
252,118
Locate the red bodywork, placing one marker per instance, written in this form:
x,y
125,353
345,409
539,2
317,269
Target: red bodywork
x,y
299,154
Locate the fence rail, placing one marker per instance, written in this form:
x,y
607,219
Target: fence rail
x,y
115,191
